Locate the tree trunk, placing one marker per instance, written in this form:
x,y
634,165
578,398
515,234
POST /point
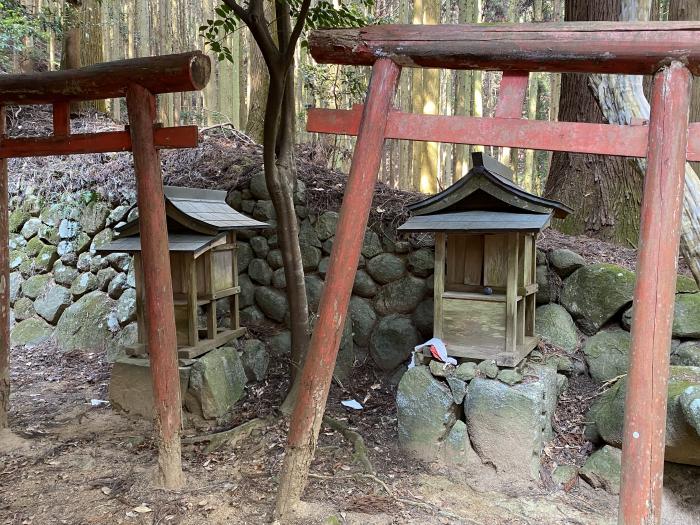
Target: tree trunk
x,y
430,158
258,83
622,99
509,156
530,170
477,77
70,55
417,105
90,25
604,191
463,95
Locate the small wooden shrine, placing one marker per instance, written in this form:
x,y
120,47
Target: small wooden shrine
x,y
485,229
203,263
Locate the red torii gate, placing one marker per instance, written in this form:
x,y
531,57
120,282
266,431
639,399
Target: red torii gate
x,y
139,80
669,51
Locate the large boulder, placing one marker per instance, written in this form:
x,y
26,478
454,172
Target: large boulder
x,y
607,354
16,281
94,217
685,284
255,360
258,186
686,354
421,262
23,309
31,332
310,257
400,296
426,412
545,291
308,235
686,316
260,246
326,225
131,389
602,469
217,382
565,262
690,404
51,304
244,253
508,425
386,267
555,325
86,282
362,319
594,294
371,245
272,302
63,274
247,295
314,290
126,307
34,286
84,324
364,285
260,272
45,259
682,439
392,341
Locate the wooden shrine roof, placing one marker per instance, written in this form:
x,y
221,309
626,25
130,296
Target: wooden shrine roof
x,y
477,222
177,242
199,211
484,200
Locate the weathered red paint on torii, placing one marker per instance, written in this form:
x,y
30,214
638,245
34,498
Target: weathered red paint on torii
x,y
670,51
139,80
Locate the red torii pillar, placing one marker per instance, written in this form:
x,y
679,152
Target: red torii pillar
x,y
139,80
670,51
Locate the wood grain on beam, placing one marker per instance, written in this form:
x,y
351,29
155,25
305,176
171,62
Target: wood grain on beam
x,y
165,138
158,74
577,137
590,47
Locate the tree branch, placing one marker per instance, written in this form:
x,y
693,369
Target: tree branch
x,y
296,32
254,18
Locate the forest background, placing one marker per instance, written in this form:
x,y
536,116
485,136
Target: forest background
x,y
40,35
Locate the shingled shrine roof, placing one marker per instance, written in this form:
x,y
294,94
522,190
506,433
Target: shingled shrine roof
x,y
197,218
199,210
484,200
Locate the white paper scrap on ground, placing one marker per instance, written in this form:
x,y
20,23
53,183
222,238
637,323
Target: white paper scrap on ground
x,y
437,349
351,403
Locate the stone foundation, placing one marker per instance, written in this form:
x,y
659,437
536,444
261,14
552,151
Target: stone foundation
x,y
469,413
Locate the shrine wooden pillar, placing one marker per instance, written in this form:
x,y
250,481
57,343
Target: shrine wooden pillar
x,y
161,335
4,284
654,294
668,142
138,79
323,349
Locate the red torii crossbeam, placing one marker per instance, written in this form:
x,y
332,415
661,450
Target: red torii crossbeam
x,y
139,80
669,51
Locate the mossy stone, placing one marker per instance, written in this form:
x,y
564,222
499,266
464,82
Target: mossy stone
x,y
682,440
593,294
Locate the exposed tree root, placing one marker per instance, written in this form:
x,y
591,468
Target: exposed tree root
x,y
358,444
227,437
420,504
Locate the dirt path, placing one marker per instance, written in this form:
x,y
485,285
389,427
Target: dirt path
x,y
85,464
